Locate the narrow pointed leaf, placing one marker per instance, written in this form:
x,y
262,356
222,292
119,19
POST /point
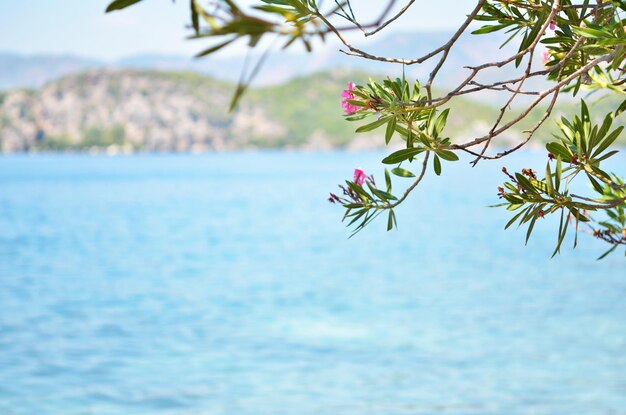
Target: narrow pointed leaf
x,y
437,165
402,155
400,172
549,185
391,127
120,4
372,126
388,180
215,48
608,252
559,172
441,122
447,155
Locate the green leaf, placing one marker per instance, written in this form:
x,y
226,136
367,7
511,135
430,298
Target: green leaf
x,y
559,150
531,213
567,128
514,199
579,216
596,185
608,252
382,195
215,48
621,108
525,183
441,122
563,225
604,144
607,155
356,103
579,83
396,87
373,125
528,38
512,221
416,91
513,36
401,155
559,172
430,123
390,220
391,127
549,184
195,20
489,29
535,214
388,180
358,117
556,40
360,94
567,30
591,33
423,138
359,190
599,172
606,126
447,155
357,216
244,83
400,172
120,4
437,165
239,91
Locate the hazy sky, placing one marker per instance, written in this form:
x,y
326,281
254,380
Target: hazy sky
x,y
80,27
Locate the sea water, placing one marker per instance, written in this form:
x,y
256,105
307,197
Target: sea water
x,y
226,284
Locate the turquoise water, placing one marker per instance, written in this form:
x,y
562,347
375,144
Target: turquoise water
x,y
225,284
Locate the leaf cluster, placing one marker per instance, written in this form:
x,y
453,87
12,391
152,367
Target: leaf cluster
x,y
581,34
580,148
401,109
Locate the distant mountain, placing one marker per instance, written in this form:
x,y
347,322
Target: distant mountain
x,y
17,71
131,110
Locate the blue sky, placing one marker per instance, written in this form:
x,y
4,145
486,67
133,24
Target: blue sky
x,y
80,27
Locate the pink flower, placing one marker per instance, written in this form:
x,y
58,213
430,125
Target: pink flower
x,y
547,57
552,25
359,176
347,95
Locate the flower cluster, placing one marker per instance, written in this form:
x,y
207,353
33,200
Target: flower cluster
x,y
349,195
347,96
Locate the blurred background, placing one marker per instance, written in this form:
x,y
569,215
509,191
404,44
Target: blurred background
x,y
159,255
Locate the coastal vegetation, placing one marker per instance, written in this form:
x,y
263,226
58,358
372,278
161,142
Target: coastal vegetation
x,y
583,47
142,110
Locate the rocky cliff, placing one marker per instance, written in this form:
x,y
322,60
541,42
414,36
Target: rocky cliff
x,y
129,110
134,110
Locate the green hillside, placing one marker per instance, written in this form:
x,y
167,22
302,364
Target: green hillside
x,y
181,111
